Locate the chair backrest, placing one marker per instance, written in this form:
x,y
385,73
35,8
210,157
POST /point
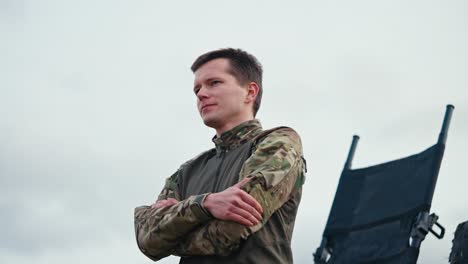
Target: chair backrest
x,y
377,210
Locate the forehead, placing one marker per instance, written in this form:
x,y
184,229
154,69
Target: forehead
x,y
212,69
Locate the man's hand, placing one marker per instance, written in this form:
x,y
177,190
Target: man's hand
x,y
164,203
234,204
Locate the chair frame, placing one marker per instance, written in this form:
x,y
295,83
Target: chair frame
x,y
424,222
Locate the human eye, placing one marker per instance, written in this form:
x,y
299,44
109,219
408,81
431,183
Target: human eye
x,y
215,82
196,89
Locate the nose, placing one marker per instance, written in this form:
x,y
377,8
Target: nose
x,y
202,93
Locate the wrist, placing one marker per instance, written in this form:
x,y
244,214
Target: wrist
x,y
205,204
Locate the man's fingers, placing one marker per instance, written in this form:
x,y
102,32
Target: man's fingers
x,y
237,215
247,197
164,203
252,211
172,201
235,204
156,205
159,204
251,201
239,219
244,181
248,212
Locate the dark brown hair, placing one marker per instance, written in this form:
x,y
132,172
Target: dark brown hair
x,y
243,66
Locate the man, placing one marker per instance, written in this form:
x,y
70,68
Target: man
x,y
237,202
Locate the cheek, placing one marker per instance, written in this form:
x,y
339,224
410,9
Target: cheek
x,y
241,97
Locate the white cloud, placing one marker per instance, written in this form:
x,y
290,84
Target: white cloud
x,y
96,104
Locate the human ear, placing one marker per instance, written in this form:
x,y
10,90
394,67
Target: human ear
x,y
252,91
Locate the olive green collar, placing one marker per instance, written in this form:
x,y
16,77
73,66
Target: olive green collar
x,y
238,135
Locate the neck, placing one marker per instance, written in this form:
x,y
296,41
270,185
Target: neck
x,y
231,125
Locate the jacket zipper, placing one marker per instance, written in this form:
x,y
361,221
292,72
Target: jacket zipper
x,y
218,170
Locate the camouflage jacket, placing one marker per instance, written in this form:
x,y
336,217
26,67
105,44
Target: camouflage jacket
x,y
275,162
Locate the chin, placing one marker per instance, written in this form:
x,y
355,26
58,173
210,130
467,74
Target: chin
x,y
211,122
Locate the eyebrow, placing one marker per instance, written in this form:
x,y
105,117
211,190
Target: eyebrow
x,y
207,80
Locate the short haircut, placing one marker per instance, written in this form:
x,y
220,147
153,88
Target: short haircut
x,y
243,66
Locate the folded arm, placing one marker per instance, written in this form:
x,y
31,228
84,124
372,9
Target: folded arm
x,y
186,228
159,230
275,168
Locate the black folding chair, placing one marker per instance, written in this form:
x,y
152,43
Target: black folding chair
x,y
380,214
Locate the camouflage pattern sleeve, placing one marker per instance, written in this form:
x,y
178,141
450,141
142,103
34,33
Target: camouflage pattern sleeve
x,y
158,231
276,168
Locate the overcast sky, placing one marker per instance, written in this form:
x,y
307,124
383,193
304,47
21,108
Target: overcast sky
x,y
97,108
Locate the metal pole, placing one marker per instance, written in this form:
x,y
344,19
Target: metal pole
x,y
446,124
352,149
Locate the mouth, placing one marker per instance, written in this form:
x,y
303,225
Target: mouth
x,y
205,107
